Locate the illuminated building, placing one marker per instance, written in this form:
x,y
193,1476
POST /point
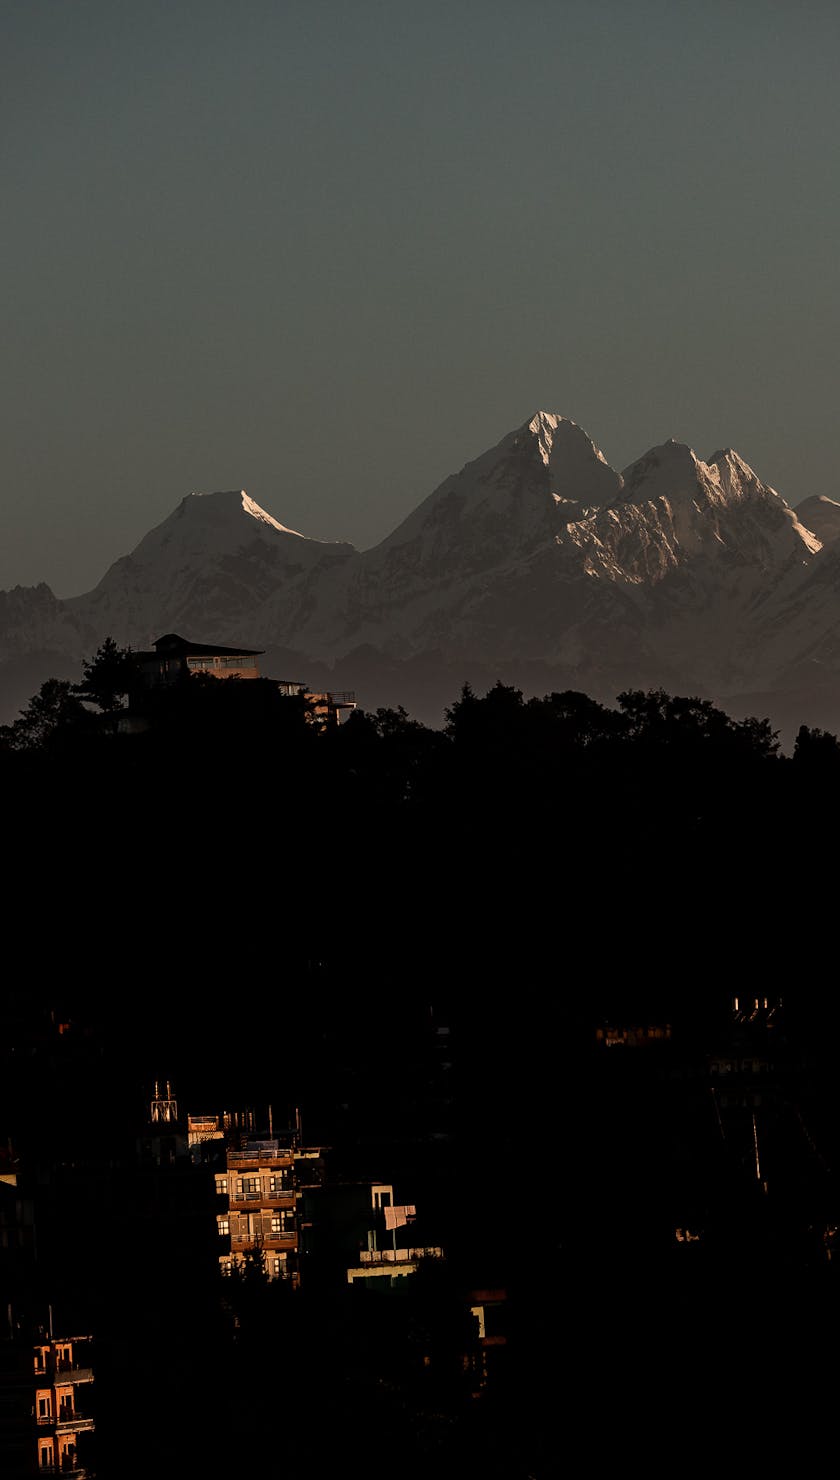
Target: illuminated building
x,y
63,1378
175,658
257,1189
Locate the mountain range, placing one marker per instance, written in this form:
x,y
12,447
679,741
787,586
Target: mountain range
x,y
537,564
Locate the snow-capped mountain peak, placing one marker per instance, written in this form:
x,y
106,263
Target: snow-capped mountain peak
x,y
250,506
505,503
537,551
578,471
223,511
664,471
548,427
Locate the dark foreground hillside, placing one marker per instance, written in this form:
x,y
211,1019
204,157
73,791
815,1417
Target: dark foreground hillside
x,y
498,962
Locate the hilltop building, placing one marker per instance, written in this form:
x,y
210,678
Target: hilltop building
x,y
174,658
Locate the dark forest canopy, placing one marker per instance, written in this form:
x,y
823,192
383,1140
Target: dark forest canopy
x,y
649,852
560,777
501,724
652,756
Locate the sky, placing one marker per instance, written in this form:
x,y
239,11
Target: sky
x,y
329,253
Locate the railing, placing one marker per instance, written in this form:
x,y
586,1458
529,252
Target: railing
x,y
264,1241
248,1157
65,1371
76,1422
286,1194
398,1256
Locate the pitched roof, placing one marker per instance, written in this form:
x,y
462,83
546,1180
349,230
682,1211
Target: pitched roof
x,y
172,643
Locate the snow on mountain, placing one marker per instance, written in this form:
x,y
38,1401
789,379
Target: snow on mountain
x,y
404,594
205,569
821,516
722,500
690,574
505,502
614,569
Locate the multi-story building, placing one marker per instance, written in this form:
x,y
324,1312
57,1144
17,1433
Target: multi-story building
x,y
257,1191
175,658
63,1378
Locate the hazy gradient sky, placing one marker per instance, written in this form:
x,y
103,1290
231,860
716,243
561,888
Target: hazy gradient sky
x,y
329,252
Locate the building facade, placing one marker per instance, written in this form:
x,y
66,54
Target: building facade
x,y
174,658
63,1379
257,1198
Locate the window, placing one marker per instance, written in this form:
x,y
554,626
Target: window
x,y
43,1407
224,1227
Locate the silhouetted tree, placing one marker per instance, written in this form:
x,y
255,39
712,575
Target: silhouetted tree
x,y
658,718
48,717
108,676
817,748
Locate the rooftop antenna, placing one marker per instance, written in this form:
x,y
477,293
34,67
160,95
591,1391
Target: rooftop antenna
x,y
164,1107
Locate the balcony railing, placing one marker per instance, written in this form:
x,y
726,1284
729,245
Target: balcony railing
x,y
62,1372
256,1157
265,1241
398,1256
76,1423
286,1194
63,1417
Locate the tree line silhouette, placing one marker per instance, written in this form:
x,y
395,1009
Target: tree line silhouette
x,y
240,895
523,833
